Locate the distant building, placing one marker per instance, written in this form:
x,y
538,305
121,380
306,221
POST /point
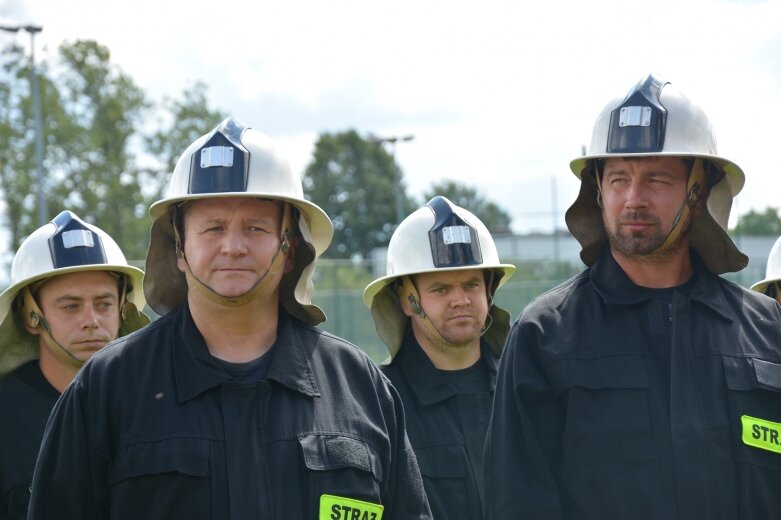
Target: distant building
x,y
562,247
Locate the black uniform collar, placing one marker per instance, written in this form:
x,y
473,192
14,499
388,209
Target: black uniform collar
x,y
31,375
197,372
615,287
424,379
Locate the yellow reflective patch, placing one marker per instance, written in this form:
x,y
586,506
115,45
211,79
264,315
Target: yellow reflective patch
x,y
341,508
762,434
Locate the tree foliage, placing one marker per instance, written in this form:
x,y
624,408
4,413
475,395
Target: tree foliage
x,y
765,223
99,178
94,123
356,182
17,152
495,218
188,119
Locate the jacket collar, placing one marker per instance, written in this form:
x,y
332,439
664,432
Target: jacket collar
x,y
615,287
196,372
426,381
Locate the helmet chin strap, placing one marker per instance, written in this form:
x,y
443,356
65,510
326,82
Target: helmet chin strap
x,y
277,263
33,317
685,214
409,293
683,217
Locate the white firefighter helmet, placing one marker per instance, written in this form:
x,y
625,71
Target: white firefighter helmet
x,y
656,119
772,272
65,245
440,236
236,161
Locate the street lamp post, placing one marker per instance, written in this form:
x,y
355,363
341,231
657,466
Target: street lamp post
x,y
37,117
392,140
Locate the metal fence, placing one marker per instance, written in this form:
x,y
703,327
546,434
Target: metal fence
x,y
339,285
339,292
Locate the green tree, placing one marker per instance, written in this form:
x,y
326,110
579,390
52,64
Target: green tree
x,y
766,223
495,218
187,119
93,116
18,177
356,182
90,114
99,178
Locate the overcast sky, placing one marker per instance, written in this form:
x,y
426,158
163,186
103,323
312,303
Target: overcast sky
x,y
500,95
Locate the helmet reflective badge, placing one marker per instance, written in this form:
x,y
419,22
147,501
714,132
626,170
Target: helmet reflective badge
x,y
440,236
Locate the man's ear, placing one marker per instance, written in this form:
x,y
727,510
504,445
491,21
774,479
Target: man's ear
x,y
31,320
403,297
702,201
405,307
180,263
31,325
29,312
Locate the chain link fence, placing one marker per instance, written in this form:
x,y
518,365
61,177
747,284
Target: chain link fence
x,y
339,288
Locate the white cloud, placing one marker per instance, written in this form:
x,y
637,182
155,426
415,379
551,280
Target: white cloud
x,y
499,94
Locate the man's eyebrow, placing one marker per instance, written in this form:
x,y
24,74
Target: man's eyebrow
x,y
211,220
74,298
437,284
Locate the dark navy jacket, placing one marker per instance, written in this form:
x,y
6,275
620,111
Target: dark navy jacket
x,y
446,427
26,399
153,428
613,404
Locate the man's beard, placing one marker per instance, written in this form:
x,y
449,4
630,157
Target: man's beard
x,y
636,243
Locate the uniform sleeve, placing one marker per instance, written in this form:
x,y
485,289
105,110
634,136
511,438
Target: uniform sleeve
x,y
407,498
522,448
69,482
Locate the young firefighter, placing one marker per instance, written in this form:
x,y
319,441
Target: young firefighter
x,y
72,291
434,310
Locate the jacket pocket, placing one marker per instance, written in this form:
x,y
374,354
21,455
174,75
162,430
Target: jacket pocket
x,y
607,413
171,473
449,486
340,466
754,394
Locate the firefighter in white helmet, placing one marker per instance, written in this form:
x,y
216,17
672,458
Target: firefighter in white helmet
x,y
232,404
434,310
646,386
71,292
770,284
